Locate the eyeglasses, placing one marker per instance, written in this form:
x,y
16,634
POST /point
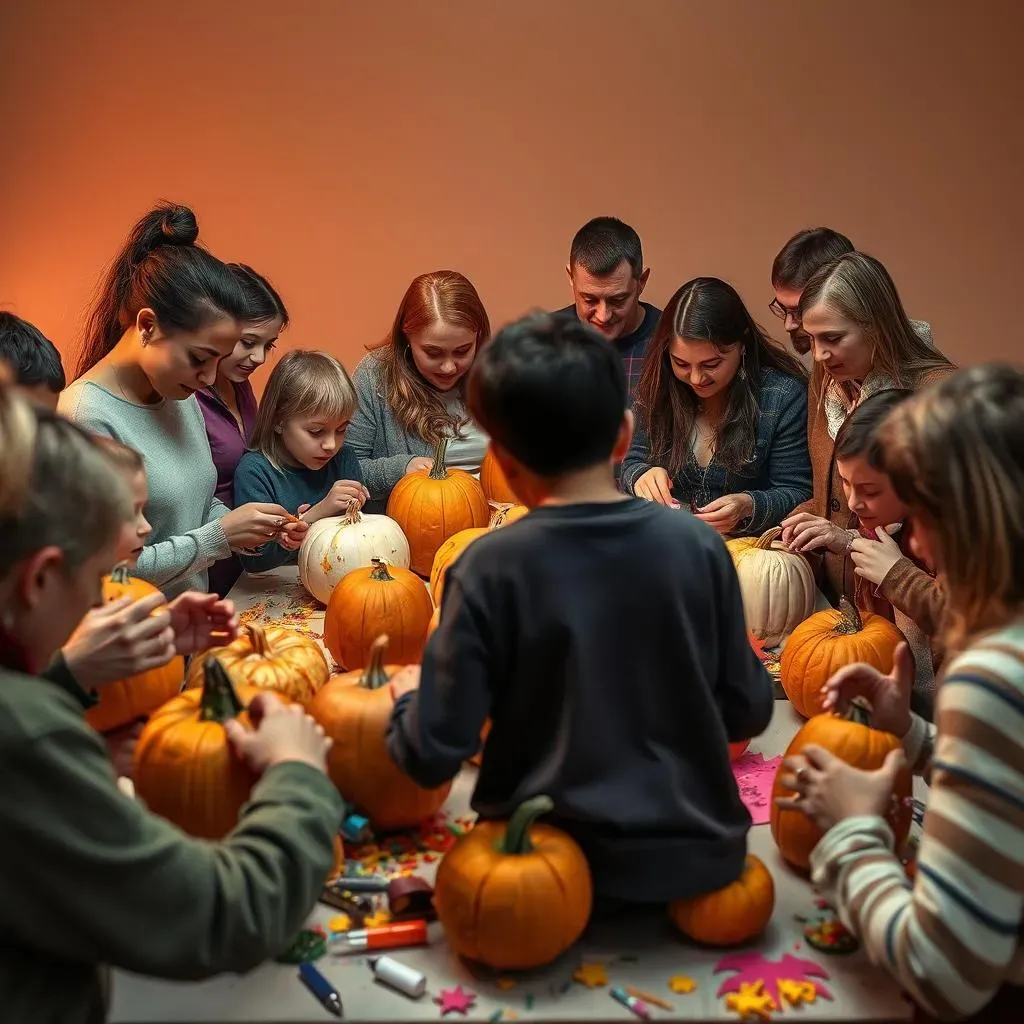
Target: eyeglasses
x,y
782,312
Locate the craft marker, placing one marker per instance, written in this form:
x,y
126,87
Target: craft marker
x,y
398,976
631,1003
361,883
388,936
664,1004
321,988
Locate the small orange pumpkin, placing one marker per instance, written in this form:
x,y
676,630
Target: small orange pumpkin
x,y
431,505
505,514
446,555
514,895
852,739
828,641
730,916
270,658
369,602
492,478
354,710
136,696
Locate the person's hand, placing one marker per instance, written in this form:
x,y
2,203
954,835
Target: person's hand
x,y
280,733
337,501
404,681
253,524
827,789
888,695
873,559
805,532
201,621
655,485
121,746
120,639
418,463
724,513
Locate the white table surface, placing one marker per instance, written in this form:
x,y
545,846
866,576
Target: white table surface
x,y
273,994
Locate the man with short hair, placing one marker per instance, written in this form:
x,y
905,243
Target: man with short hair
x,y
33,358
607,274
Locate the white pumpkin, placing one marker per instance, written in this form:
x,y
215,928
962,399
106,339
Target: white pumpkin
x,y
777,586
335,546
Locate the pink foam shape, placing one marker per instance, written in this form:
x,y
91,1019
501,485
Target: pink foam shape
x,y
751,968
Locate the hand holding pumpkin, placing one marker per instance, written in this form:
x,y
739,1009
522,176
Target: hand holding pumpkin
x,y
417,463
404,681
805,532
888,695
727,512
336,502
201,621
873,559
280,733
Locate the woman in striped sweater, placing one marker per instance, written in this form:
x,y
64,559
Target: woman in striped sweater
x,y
954,940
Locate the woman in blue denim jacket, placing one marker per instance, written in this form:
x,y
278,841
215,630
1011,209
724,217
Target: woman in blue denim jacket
x,y
721,415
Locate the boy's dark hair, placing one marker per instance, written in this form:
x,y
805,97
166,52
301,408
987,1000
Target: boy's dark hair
x,y
805,253
858,437
33,357
261,298
551,393
602,244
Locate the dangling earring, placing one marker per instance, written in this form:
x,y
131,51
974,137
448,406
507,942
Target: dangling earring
x,y
743,365
144,338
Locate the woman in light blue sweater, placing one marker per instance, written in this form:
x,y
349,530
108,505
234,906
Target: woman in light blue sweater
x,y
167,314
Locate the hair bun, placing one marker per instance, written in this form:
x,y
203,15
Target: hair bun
x,y
178,225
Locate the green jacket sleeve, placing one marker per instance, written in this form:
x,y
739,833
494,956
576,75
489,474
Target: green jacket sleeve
x,y
102,880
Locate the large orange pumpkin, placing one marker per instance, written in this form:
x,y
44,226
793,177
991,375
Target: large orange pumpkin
x,y
446,556
514,895
369,602
730,916
828,641
185,768
492,478
852,739
431,505
136,696
270,658
505,514
354,710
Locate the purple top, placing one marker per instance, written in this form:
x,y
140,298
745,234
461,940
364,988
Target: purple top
x,y
227,445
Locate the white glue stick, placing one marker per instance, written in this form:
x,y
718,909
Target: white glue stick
x,y
396,975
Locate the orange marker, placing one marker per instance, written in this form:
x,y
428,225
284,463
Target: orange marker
x,y
388,936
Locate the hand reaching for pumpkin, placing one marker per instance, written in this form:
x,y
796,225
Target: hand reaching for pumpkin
x,y
804,532
417,463
873,559
726,512
827,789
888,695
201,621
338,499
404,681
280,733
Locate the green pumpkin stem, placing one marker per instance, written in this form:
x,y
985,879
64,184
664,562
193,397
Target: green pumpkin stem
x,y
517,833
120,574
220,701
258,638
380,571
859,711
851,622
375,675
765,541
439,471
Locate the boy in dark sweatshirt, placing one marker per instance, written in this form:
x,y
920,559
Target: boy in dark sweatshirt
x,y
603,635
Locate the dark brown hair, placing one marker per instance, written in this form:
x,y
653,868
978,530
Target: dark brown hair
x,y
859,434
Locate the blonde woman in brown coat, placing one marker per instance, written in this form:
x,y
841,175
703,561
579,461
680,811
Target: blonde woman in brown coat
x,y
863,343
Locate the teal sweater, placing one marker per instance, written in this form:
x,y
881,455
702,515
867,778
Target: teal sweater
x,y
257,479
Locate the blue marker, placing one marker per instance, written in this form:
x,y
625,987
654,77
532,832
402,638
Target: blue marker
x,y
321,988
634,1005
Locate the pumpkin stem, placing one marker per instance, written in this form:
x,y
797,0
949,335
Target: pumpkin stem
x,y
517,832
851,622
258,638
765,541
219,701
439,471
120,574
352,512
859,711
374,675
380,572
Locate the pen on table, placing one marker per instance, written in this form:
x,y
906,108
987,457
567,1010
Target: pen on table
x,y
647,997
631,1003
361,883
389,936
321,988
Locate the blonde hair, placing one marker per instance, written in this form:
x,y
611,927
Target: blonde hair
x,y
302,384
128,460
955,455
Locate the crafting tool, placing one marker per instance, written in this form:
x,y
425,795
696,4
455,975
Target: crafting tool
x,y
398,976
361,883
631,1003
321,988
357,907
663,1004
388,936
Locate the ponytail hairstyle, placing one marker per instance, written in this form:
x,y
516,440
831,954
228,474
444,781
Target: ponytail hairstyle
x,y
262,301
161,267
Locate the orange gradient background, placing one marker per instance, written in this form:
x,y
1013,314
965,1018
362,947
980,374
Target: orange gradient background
x,y
342,148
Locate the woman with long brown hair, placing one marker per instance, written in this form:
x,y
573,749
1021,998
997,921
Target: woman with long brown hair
x,y
411,388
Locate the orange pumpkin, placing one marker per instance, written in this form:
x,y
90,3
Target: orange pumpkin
x,y
446,555
369,602
730,916
492,478
431,505
477,758
354,710
514,895
738,749
136,696
270,658
184,768
852,739
435,621
505,514
825,643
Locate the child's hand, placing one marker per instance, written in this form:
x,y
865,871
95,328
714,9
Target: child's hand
x,y
336,502
655,485
889,696
405,681
280,733
201,621
252,525
725,512
804,532
418,463
873,559
292,535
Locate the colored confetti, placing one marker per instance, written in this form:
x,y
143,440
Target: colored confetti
x,y
830,935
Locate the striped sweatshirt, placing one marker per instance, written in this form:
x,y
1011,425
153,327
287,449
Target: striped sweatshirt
x,y
955,936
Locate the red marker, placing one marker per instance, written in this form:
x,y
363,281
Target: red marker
x,y
389,936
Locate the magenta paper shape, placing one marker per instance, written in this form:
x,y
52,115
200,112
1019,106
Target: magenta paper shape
x,y
754,777
455,1000
753,967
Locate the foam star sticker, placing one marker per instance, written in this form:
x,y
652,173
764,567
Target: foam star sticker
x,y
797,993
682,984
591,975
376,919
455,1000
751,1001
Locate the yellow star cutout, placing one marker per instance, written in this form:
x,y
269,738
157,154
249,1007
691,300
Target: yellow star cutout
x,y
797,992
376,919
682,984
591,975
341,923
751,1001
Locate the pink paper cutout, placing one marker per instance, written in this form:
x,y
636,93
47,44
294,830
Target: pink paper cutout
x,y
754,776
753,967
455,1000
